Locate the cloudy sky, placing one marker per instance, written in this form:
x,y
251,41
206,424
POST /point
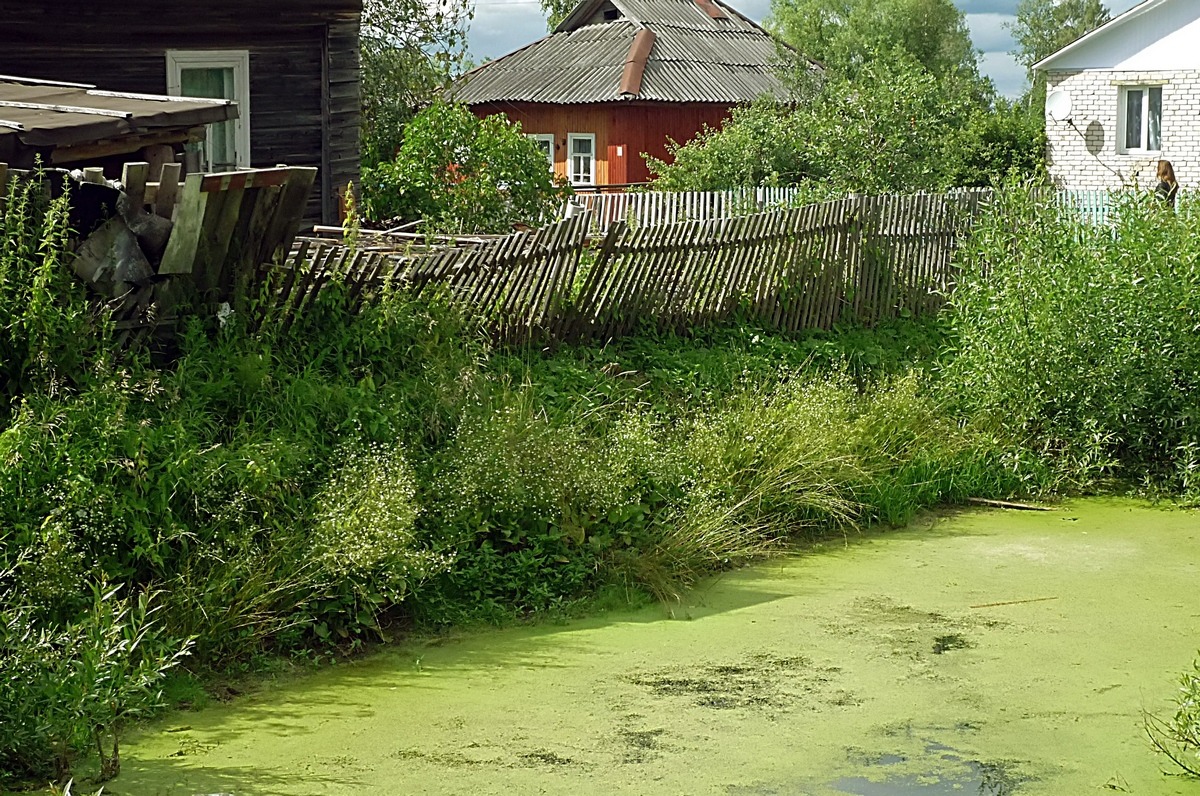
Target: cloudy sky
x,y
501,26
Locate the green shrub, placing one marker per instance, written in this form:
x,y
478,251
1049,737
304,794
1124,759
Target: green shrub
x,y
461,173
1178,737
1079,341
47,333
70,688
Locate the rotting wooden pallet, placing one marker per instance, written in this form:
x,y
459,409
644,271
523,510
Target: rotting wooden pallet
x,y
222,228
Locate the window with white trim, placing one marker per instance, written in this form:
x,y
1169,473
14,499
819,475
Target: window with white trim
x,y
581,163
1140,119
545,142
216,74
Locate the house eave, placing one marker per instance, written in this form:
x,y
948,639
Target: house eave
x,y
1146,5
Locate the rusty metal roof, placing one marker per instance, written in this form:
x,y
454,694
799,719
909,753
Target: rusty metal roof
x,y
702,52
46,114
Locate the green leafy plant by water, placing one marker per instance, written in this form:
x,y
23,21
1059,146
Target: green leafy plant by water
x,y
1080,340
280,492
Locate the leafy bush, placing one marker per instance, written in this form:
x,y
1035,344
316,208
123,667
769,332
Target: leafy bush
x,y
1178,737
1009,138
463,174
70,688
1080,339
293,490
890,129
46,331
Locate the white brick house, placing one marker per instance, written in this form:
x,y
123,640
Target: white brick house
x,y
1132,88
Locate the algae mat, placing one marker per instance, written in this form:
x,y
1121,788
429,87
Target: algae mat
x,y
998,653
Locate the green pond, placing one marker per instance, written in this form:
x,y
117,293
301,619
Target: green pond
x,y
993,652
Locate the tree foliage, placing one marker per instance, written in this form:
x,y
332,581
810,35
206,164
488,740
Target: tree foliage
x,y
556,11
1042,27
886,130
463,173
408,49
845,35
900,106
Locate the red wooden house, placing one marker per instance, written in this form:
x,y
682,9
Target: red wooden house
x,y
618,78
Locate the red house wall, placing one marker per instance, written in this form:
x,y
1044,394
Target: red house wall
x,y
623,131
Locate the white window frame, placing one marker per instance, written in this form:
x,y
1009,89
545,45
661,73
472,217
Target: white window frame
x,y
239,61
571,139
1123,116
545,138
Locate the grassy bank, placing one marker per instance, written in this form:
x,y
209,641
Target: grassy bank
x,y
318,488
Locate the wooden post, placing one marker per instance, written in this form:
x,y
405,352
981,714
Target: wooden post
x,y
180,256
133,176
168,190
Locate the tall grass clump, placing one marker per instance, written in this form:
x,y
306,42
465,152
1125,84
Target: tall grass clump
x,y
80,654
1079,341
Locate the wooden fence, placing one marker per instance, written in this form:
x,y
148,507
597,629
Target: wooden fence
x,y
864,258
652,208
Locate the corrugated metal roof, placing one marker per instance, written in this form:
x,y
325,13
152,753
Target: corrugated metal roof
x,y
49,114
695,58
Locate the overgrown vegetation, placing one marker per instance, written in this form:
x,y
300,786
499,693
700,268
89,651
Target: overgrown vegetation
x,y
318,488
898,106
409,49
1081,339
459,173
1178,736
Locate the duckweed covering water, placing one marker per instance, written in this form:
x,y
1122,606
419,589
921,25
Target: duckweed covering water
x,y
995,653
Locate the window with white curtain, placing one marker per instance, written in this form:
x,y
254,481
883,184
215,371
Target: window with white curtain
x,y
581,149
1140,118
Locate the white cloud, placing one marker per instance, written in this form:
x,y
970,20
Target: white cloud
x,y
988,32
501,26
1005,72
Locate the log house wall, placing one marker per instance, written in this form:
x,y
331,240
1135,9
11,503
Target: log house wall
x,y
304,68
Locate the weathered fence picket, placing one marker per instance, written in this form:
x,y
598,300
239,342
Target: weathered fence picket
x,y
654,208
861,258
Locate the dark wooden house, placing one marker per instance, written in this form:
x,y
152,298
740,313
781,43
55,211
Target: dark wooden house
x,y
290,65
618,78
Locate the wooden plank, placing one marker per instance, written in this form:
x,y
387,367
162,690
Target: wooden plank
x,y
285,221
79,109
180,255
205,273
241,272
598,276
168,190
637,292
629,299
555,280
243,178
133,177
832,271
607,305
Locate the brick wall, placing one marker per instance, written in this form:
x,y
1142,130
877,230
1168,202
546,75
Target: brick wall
x,y
1087,154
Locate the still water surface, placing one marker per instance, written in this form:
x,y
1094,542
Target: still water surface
x,y
994,653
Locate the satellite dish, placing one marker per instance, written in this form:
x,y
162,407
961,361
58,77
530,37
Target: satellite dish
x,y
1058,105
